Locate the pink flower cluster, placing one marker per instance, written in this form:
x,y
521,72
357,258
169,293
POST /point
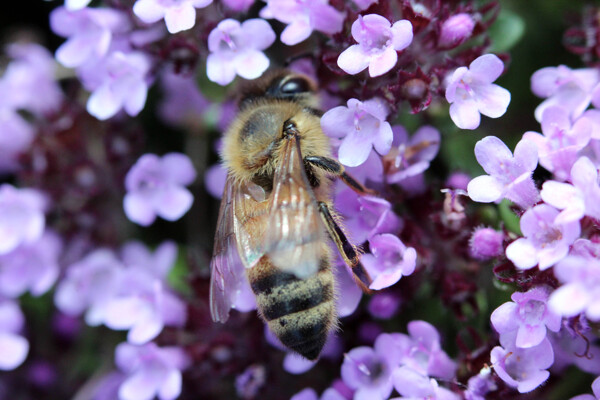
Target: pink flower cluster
x,y
552,225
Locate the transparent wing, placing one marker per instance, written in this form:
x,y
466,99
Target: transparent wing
x,y
249,218
295,232
228,284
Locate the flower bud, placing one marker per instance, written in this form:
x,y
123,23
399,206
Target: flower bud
x,y
455,30
384,305
485,243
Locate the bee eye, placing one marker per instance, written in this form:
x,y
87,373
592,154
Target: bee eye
x,y
294,86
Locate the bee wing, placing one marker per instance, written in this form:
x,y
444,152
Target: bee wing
x,y
227,267
294,235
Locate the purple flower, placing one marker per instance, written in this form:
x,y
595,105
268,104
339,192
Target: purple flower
x,y
458,180
580,292
302,17
346,304
237,49
16,135
179,15
139,301
411,157
131,296
378,42
522,368
136,255
31,266
338,391
151,371
371,171
238,5
545,242
121,84
564,87
576,200
363,126
595,390
456,30
593,116
389,260
143,307
558,147
485,243
568,347
107,387
296,364
414,386
470,91
155,187
509,177
182,102
480,385
214,180
365,216
22,218
528,315
248,384
305,394
421,350
88,284
383,305
13,347
29,80
89,32
368,370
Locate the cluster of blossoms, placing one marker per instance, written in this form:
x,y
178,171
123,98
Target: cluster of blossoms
x,y
559,249
81,177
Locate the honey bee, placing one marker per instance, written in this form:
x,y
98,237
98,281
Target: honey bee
x,y
276,214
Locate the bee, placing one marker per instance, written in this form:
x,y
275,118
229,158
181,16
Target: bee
x,y
276,214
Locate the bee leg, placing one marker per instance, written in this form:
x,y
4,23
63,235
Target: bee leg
x,y
334,167
347,250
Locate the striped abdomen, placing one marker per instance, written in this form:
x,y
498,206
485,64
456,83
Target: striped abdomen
x,y
300,312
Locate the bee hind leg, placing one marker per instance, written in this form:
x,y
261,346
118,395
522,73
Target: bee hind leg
x,y
334,167
347,249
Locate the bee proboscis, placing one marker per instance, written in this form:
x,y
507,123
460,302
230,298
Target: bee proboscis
x,y
276,214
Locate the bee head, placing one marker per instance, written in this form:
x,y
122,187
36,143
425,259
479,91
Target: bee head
x,y
281,85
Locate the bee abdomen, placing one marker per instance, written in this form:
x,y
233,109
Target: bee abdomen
x,y
300,312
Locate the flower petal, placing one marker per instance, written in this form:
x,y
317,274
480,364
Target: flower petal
x,y
465,114
485,189
382,63
138,209
174,203
148,11
402,32
251,64
522,253
14,350
354,150
220,69
487,68
492,100
180,18
296,32
353,60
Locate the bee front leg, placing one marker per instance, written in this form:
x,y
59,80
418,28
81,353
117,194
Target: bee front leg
x,y
347,249
334,167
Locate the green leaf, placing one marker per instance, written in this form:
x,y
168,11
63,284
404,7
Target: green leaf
x,y
177,277
510,219
506,31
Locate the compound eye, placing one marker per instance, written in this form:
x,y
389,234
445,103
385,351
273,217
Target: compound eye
x,y
295,85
